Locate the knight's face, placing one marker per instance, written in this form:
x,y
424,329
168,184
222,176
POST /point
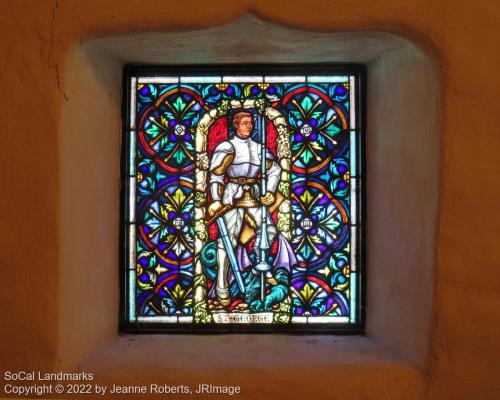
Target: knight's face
x,y
244,128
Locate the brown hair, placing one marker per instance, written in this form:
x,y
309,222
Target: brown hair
x,y
239,115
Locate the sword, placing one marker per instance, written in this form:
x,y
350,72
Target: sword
x,y
230,252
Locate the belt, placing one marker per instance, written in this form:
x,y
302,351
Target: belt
x,y
243,181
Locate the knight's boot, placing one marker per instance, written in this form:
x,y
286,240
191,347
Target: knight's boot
x,y
223,296
222,286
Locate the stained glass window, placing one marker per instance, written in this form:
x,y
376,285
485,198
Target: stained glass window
x,y
243,198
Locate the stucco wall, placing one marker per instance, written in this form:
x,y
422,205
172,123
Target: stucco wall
x,y
403,162
41,298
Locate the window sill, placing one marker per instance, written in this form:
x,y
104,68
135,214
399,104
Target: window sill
x,y
313,365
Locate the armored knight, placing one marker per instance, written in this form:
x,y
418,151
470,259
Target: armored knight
x,y
238,160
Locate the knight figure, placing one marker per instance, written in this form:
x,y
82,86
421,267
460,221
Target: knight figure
x,y
234,186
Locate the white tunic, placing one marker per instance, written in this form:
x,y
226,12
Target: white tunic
x,y
245,164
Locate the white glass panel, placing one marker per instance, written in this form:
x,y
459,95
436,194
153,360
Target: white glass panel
x,y
353,248
132,246
250,79
352,103
284,79
159,79
327,320
159,320
200,79
133,92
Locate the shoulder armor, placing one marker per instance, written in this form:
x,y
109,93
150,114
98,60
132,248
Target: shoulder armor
x,y
224,147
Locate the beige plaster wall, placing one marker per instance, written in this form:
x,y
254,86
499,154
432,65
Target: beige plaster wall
x,y
89,204
403,163
39,297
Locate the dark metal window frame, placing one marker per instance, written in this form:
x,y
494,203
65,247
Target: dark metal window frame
x,y
356,70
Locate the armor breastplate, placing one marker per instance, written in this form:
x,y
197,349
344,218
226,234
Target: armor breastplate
x,y
246,162
245,165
